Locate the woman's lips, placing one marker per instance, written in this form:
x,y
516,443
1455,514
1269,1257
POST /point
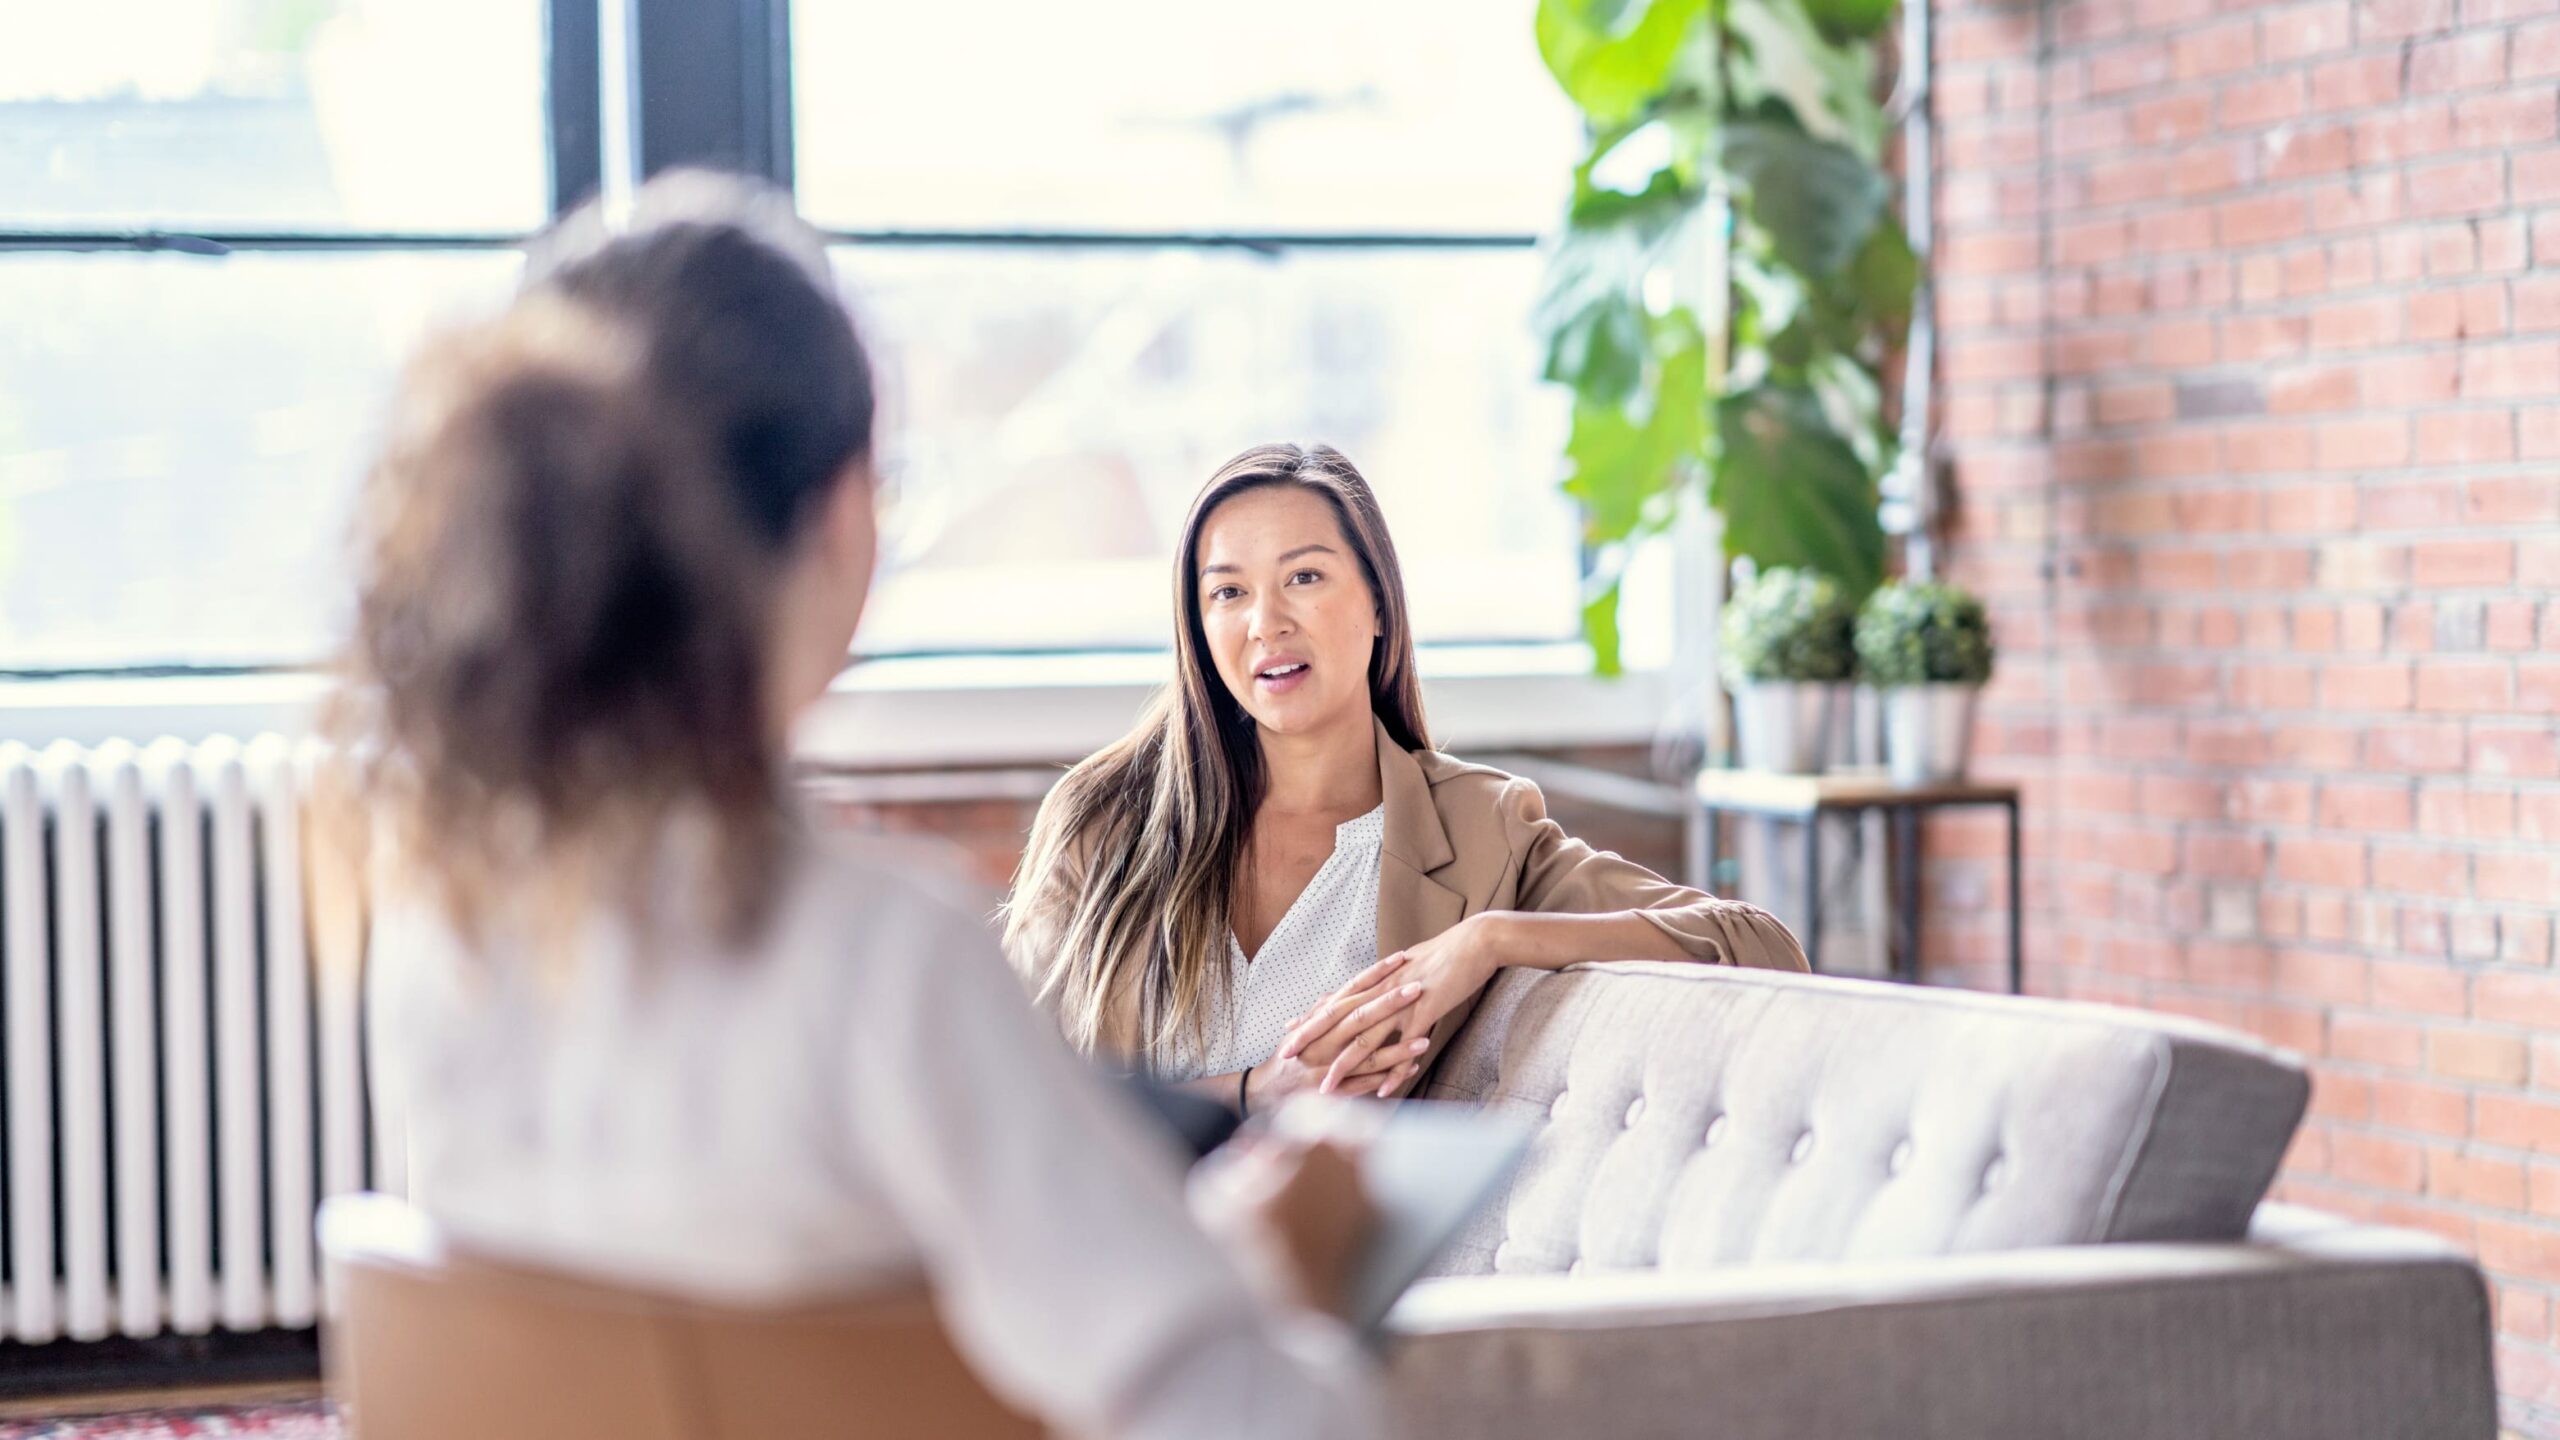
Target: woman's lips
x,y
1284,679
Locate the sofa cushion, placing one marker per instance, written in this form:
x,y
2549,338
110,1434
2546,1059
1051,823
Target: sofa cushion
x,y
1693,1117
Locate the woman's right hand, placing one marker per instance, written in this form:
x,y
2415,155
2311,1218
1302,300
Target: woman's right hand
x,y
1361,1040
1292,1212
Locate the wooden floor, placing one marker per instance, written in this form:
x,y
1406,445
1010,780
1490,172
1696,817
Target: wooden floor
x,y
107,1402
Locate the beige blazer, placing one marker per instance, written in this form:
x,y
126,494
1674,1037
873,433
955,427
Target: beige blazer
x,y
1462,839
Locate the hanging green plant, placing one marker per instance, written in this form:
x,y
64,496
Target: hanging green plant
x,y
1747,128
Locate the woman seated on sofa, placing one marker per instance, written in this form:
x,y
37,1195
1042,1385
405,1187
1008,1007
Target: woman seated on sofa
x,y
644,1024
1274,884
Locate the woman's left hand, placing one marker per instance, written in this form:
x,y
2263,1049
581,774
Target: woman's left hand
x,y
1450,967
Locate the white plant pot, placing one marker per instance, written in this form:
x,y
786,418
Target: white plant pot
x,y
1928,732
1784,725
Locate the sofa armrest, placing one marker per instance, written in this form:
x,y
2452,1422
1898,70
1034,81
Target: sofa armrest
x,y
2333,1333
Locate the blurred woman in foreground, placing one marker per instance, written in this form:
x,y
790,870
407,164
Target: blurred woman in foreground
x,y
645,1023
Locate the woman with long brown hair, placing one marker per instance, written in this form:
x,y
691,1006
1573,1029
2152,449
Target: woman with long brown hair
x,y
1274,884
642,1020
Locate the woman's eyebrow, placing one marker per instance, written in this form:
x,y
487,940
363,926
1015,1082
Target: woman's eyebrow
x,y
1223,568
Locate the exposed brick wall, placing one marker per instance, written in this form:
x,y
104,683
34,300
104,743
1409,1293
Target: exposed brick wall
x,y
2252,344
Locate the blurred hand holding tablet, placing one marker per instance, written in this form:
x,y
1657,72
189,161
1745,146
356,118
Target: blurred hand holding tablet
x,y
1428,1166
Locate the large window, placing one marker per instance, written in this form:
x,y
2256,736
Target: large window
x,y
1098,247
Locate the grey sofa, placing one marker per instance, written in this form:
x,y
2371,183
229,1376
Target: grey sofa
x,y
1791,1207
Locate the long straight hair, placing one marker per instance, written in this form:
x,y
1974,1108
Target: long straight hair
x,y
1160,819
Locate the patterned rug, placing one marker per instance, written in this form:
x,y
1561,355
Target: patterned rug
x,y
307,1420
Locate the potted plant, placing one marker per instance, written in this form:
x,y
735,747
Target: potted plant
x,y
1927,648
1787,650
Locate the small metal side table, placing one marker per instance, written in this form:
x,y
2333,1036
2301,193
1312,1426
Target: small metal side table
x,y
1805,798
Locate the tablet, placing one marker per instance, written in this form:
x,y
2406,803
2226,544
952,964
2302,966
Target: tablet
x,y
1428,1165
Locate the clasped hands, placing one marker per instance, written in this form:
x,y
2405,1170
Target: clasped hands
x,y
1372,1036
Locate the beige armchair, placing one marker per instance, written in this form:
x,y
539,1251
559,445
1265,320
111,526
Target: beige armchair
x,y
430,1345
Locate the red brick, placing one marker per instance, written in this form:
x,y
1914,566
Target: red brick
x,y
2421,504
2526,368
2417,1105
2315,389
2511,624
2262,219
2321,862
2535,54
2406,988
2515,1123
2463,686
2482,1056
2362,444
2316,509
2356,324
2356,83
2459,187
2525,879
2476,1180
2526,754
2466,438
2412,132
2399,19
2302,31
2229,857
2466,563
2470,61
2422,747
2218,49
2538,562
2512,500
2538,686
2510,118
2372,1160
2365,806
2421,870
2134,65
2370,1040
2314,747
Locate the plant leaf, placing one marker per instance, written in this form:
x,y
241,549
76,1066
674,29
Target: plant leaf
x,y
1591,309
1884,277
1828,85
1792,492
1620,461
1600,628
1610,64
1814,200
1841,21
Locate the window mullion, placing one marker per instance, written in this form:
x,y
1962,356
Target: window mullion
x,y
575,101
713,81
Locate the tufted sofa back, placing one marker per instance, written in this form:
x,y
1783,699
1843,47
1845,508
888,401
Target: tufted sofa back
x,y
1695,1117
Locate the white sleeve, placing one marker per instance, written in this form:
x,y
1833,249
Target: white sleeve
x,y
1051,1221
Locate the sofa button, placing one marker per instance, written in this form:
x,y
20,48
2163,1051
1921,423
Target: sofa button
x,y
1899,1159
1803,1147
1635,1110
1715,1130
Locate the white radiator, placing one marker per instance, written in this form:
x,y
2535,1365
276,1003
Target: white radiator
x,y
180,1043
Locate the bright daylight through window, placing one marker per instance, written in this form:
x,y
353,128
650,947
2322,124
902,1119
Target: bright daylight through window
x,y
1100,247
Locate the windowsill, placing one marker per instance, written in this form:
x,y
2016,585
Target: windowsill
x,y
927,712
